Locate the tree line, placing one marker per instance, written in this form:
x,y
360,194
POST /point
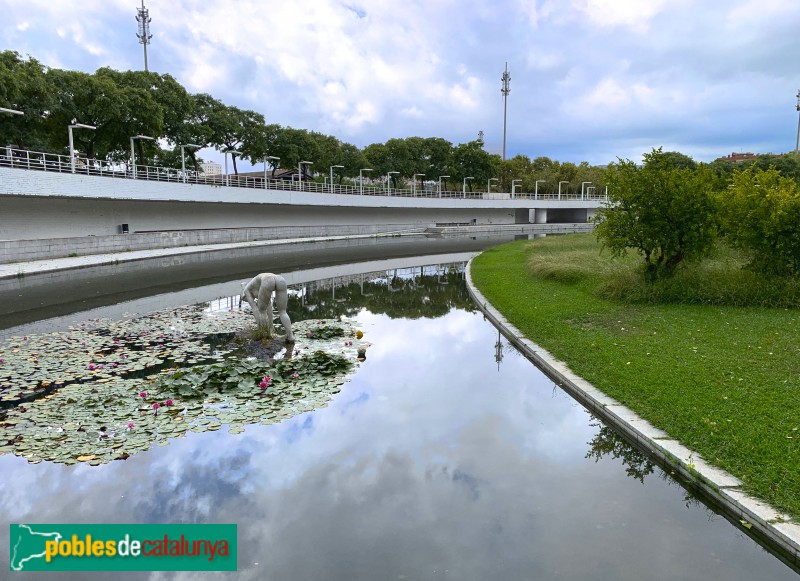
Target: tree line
x,y
125,104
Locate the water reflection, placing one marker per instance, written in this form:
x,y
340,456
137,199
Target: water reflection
x,y
426,291
433,462
607,442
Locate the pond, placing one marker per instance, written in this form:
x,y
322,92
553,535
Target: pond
x,y
445,454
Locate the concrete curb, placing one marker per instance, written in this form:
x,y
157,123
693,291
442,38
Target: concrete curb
x,y
22,269
723,489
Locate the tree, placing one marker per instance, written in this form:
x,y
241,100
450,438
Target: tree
x,y
470,160
232,127
24,87
666,214
293,146
262,143
761,215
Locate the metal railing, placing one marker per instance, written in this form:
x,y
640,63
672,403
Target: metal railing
x,y
52,162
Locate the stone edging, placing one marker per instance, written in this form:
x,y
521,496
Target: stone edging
x,y
721,487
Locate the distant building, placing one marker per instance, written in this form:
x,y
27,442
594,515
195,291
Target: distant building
x,y
737,157
211,168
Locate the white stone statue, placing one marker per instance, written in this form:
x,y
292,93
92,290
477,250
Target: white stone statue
x,y
258,293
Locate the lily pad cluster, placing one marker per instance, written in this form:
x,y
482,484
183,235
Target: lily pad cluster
x,y
65,400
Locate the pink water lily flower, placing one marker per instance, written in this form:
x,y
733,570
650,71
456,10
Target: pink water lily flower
x,y
295,375
142,394
91,367
130,425
169,403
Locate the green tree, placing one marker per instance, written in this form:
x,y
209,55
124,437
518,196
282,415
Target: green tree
x,y
664,213
262,143
231,127
293,146
24,87
761,215
471,160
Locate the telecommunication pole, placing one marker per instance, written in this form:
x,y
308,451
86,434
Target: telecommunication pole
x,y
506,78
797,145
144,36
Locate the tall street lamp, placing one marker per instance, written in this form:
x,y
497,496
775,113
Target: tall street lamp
x,y
225,155
464,189
583,184
133,154
559,188
11,111
514,187
300,171
489,184
183,158
333,166
361,179
536,189
414,183
440,184
72,144
266,159
389,182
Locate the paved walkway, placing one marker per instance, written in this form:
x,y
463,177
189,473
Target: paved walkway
x,y
19,269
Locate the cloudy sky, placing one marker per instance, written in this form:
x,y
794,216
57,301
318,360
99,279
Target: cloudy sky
x,y
590,79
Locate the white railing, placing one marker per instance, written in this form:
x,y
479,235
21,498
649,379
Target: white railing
x,y
52,162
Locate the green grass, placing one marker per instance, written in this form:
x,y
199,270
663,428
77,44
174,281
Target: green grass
x,y
724,380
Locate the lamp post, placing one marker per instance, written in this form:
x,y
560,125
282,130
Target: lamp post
x,y
133,154
582,186
489,184
389,181
361,179
183,159
11,111
559,188
333,166
464,188
414,183
300,171
514,187
225,155
266,159
440,184
71,143
536,189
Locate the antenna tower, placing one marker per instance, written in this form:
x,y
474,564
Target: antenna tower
x,y
506,78
144,36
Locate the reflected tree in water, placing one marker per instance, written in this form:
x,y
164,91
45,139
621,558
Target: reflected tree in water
x,y
426,296
607,442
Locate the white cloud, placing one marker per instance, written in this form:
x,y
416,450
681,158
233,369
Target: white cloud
x,y
368,72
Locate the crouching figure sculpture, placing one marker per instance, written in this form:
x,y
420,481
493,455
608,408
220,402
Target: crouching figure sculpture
x,y
258,293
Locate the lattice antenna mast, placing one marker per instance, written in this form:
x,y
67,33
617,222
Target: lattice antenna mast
x,y
506,78
144,36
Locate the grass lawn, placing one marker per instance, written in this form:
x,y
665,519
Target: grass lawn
x,y
723,380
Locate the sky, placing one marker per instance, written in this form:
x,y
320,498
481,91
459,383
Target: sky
x,y
591,80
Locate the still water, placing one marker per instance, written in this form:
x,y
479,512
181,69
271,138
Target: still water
x,y
446,456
